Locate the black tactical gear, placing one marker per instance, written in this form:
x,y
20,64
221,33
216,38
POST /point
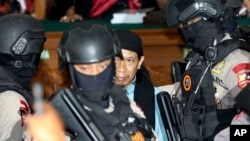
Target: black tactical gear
x,y
26,35
195,116
21,44
8,82
25,38
181,11
90,42
96,124
86,43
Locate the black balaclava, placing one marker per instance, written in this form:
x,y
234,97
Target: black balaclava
x,y
96,88
201,34
22,75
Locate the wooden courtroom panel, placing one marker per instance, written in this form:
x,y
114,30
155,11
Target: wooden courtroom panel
x,y
40,9
160,46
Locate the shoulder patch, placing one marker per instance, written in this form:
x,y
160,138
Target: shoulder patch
x,y
218,68
243,79
187,82
241,67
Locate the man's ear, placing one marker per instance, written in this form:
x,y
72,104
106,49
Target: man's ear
x,y
140,62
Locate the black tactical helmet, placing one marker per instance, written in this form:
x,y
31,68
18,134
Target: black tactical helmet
x,y
21,35
181,11
87,42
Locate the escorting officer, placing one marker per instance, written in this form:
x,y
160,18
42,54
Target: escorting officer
x,y
21,43
87,50
216,58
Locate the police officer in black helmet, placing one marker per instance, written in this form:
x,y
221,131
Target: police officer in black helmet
x,y
210,13
87,50
21,43
204,27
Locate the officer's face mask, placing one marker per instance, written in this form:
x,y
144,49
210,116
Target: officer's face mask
x,y
201,34
96,87
22,74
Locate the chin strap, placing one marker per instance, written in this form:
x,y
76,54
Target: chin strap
x,y
21,64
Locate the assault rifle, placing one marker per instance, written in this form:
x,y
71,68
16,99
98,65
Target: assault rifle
x,y
78,123
169,116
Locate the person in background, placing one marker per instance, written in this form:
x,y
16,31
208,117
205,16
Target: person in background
x,y
21,44
133,77
73,10
9,6
16,6
26,6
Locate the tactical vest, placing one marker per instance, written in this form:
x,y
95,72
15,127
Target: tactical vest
x,y
118,122
196,109
7,83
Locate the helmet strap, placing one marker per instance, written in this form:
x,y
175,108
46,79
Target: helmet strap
x,y
7,60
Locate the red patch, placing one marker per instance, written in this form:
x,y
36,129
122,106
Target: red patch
x,y
240,67
243,77
239,115
24,111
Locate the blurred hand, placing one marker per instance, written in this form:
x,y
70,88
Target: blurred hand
x,y
71,16
47,126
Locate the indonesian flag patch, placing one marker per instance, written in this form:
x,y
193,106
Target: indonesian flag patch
x,y
244,76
